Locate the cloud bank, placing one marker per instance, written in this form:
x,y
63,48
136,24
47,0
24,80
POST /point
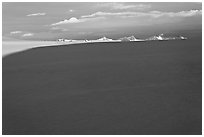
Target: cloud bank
x,y
131,22
122,6
154,14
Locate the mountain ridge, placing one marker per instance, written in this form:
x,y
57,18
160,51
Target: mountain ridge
x,y
159,37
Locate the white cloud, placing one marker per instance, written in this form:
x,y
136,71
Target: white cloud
x,y
189,13
36,14
15,32
27,34
71,20
154,14
71,10
106,14
128,14
74,20
122,6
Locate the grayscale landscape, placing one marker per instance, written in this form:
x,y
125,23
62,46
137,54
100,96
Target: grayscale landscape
x,y
102,68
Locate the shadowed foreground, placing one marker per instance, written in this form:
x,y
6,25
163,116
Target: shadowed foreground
x,y
104,88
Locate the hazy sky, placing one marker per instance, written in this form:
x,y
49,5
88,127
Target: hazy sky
x,y
50,21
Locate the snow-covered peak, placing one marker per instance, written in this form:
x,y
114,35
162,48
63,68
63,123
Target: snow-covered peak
x,y
65,40
183,37
162,37
131,38
104,39
159,37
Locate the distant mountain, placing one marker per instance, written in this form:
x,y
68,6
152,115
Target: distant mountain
x,y
159,37
104,39
181,37
65,40
131,38
162,37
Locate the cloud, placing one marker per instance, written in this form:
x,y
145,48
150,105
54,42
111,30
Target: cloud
x,y
71,10
74,20
23,35
154,14
27,34
106,14
118,14
36,14
122,6
188,13
15,32
71,20
112,22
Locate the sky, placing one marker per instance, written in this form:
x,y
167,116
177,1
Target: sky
x,y
90,20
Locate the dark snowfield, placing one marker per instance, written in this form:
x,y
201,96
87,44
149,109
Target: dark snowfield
x,y
104,88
